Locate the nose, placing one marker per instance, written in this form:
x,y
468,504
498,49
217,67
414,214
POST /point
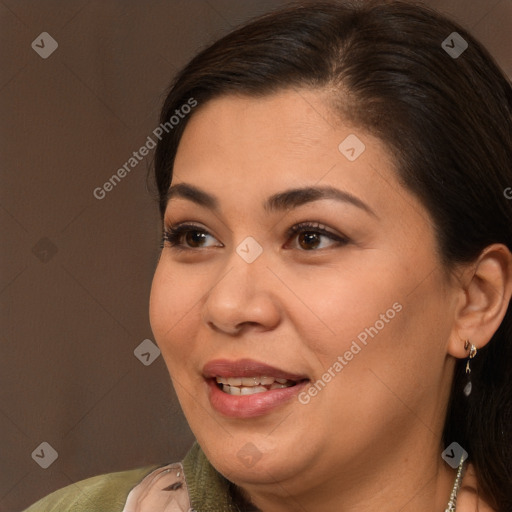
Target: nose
x,y
242,298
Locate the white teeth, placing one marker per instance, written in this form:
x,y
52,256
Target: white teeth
x,y
276,385
235,390
231,390
253,390
252,381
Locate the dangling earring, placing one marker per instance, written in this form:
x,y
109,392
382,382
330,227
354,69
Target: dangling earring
x,y
472,354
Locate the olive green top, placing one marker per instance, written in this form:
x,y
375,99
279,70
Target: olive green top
x,y
209,491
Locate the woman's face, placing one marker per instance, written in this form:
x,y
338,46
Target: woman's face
x,y
354,308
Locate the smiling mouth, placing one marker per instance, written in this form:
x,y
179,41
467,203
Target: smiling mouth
x,y
251,385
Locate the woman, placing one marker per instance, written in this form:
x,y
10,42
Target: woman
x,y
332,297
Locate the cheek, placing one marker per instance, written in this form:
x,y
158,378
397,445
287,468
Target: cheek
x,y
338,305
386,351
174,307
382,309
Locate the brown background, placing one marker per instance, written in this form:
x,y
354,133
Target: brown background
x,y
76,271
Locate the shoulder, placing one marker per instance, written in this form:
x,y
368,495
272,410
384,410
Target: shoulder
x,y
103,493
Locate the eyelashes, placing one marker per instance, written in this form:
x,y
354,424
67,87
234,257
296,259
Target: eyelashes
x,y
173,235
314,231
188,237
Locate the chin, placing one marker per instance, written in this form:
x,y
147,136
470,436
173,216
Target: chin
x,y
245,463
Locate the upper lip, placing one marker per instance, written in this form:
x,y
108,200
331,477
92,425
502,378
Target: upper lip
x,y
246,368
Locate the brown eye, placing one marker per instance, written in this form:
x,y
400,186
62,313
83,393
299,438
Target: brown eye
x,y
195,238
309,240
313,236
188,236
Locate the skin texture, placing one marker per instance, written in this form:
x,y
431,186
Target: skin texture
x,y
371,439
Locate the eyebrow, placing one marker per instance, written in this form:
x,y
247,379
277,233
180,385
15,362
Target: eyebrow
x,y
281,201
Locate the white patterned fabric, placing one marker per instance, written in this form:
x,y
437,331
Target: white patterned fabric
x,y
163,490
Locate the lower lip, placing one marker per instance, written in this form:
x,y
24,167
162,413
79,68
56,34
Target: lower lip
x,y
249,406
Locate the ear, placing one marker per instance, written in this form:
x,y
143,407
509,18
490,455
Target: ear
x,y
485,291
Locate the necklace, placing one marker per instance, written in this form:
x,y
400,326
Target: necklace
x,y
456,486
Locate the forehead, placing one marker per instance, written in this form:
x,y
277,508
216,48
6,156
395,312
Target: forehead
x,y
291,135
287,121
